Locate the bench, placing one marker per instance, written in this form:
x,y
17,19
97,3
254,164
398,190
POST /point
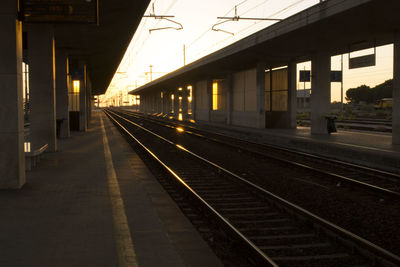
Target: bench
x,y
32,157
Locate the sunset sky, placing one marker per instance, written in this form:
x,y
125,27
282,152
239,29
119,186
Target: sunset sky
x,y
163,49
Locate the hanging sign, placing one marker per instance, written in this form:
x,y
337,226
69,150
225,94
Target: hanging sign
x,y
60,11
336,76
361,62
305,76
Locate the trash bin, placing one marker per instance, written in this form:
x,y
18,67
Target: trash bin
x,y
58,128
331,125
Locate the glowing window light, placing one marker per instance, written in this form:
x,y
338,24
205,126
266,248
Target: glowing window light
x,y
215,96
76,85
162,94
180,116
27,146
172,97
180,88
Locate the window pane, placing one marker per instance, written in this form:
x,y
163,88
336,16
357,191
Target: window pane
x,y
279,101
267,101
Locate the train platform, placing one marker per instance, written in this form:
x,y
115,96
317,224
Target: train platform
x,y
372,149
95,203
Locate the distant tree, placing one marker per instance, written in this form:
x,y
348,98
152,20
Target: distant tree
x,y
361,93
383,90
369,95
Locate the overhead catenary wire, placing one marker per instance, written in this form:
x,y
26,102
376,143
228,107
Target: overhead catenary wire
x,y
163,17
220,43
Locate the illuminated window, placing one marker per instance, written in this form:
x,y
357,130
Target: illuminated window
x,y
76,85
190,89
277,98
218,101
172,103
73,94
162,95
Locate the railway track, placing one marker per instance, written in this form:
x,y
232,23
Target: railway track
x,y
274,231
383,184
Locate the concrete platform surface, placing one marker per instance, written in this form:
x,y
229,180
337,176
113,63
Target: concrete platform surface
x,y
65,214
360,147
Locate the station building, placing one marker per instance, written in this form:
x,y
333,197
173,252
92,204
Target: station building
x,y
252,83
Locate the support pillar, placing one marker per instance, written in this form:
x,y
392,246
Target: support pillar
x,y
164,102
194,107
209,98
185,103
41,52
62,93
260,94
321,92
229,98
292,87
176,103
83,101
88,101
12,161
396,91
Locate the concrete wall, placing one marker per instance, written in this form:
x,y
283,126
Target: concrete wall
x,y
246,119
244,98
218,116
201,99
244,91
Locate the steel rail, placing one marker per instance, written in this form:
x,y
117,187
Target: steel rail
x,y
379,172
347,236
215,213
371,187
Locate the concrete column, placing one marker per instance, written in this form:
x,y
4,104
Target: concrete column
x,y
62,92
292,87
41,52
153,103
194,101
185,102
164,102
12,161
396,91
321,92
83,102
147,104
88,101
260,94
176,102
141,104
229,98
209,98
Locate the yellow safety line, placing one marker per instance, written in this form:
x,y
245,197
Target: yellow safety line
x,y
122,236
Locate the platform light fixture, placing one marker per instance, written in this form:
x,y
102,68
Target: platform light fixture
x,y
76,85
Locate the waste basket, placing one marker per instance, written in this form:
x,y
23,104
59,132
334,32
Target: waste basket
x,y
58,127
331,125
